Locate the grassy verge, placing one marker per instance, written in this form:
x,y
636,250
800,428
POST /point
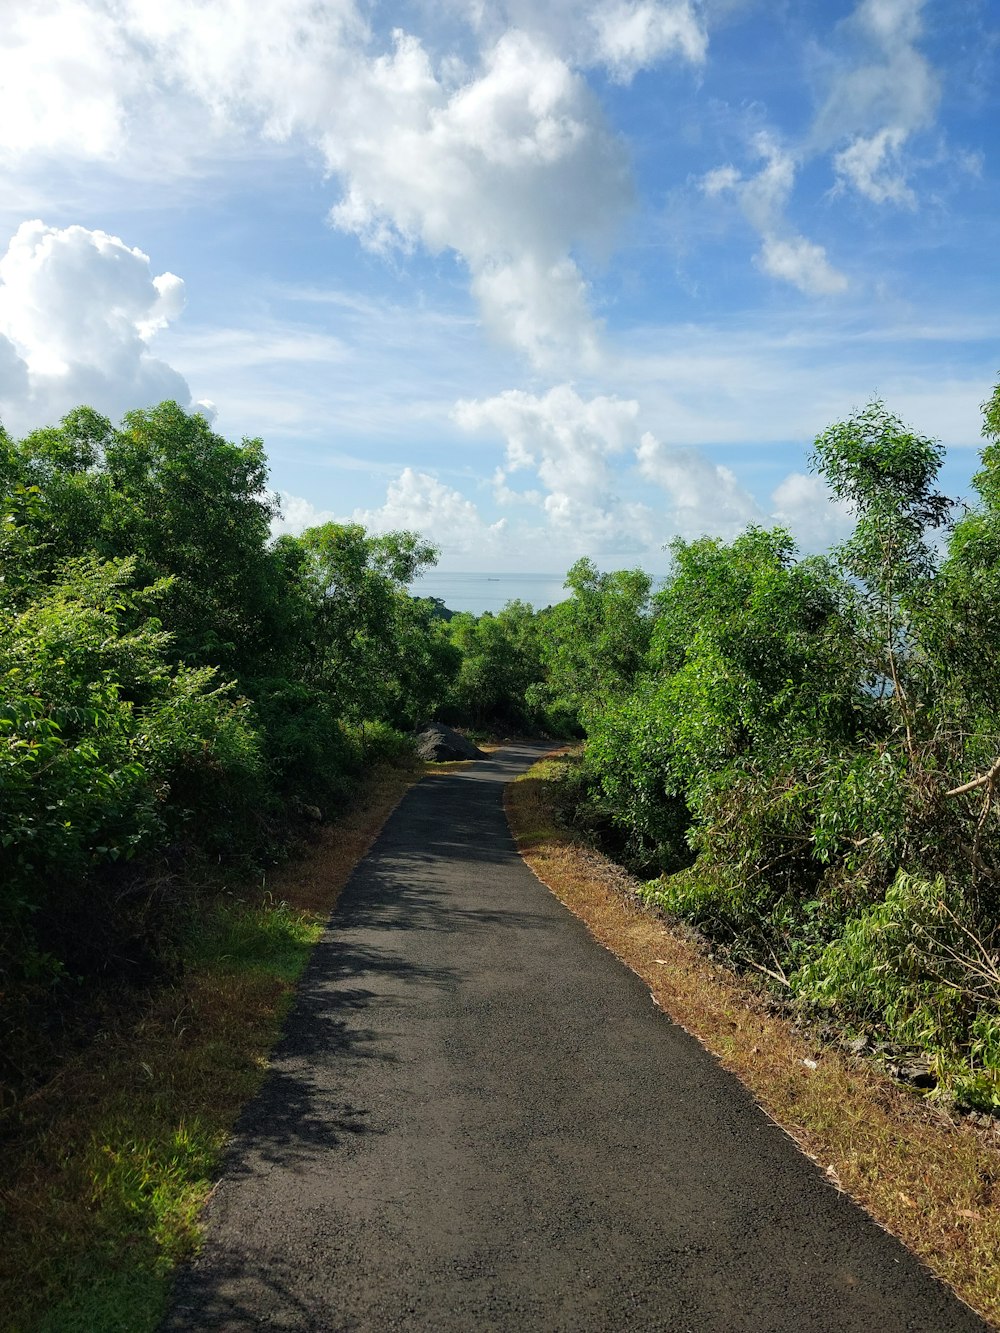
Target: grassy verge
x,y
932,1180
105,1168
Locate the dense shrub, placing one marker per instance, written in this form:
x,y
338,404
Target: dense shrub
x,y
808,752
111,757
498,665
174,685
803,752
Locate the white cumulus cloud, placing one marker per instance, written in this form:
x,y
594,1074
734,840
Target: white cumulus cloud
x,y
804,505
622,36
567,444
77,311
511,169
564,439
703,496
802,263
65,71
575,448
297,514
636,34
418,502
504,160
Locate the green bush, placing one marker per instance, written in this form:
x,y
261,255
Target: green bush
x,y
312,755
379,743
917,969
109,756
174,685
809,748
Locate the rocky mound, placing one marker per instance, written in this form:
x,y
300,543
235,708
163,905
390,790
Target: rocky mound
x,y
440,743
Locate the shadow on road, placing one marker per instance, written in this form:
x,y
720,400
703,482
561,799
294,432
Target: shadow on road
x,y
403,907
225,1298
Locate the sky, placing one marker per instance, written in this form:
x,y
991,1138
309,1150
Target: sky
x,y
537,278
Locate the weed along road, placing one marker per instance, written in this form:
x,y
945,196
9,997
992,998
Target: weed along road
x,y
477,1119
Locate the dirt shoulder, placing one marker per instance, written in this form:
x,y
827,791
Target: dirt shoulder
x,y
104,1169
931,1180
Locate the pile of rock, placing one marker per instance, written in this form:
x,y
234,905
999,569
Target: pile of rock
x,y
440,743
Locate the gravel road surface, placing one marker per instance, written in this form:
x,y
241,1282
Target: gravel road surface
x,y
477,1119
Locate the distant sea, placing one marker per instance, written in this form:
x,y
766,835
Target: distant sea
x,y
489,592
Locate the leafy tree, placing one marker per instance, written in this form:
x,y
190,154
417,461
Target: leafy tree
x,y
959,624
746,662
172,682
887,474
427,662
186,503
499,667
193,505
806,730
364,623
593,644
62,464
108,754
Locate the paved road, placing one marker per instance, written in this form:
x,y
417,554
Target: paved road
x,y
477,1119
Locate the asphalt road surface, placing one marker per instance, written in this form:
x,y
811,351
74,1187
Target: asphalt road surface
x,y
477,1119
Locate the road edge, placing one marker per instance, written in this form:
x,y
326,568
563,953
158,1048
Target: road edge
x,y
931,1181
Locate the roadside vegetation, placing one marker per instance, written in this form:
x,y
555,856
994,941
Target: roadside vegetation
x,y
800,755
180,697
108,1163
797,756
186,706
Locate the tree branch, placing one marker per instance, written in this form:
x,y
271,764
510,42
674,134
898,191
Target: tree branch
x,y
981,781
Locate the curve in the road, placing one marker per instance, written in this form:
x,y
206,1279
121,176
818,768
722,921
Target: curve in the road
x,y
478,1120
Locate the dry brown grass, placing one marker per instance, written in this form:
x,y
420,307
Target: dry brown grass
x,y
931,1180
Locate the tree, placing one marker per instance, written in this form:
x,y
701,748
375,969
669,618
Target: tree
x,y
109,753
958,623
185,503
594,643
363,617
887,475
500,664
194,505
748,662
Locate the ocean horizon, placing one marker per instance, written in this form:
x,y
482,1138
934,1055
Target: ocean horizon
x,y
489,591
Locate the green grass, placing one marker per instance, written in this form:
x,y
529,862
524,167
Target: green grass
x,y
118,1157
106,1168
270,936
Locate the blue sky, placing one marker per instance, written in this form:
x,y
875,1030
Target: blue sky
x,y
539,279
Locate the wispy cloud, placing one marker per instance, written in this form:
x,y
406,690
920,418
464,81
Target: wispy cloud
x,y
763,198
879,94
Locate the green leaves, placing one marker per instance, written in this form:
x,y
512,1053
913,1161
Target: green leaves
x,y
809,728
499,677
376,651
96,725
594,643
886,473
173,683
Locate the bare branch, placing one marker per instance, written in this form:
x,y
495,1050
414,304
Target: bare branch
x,y
768,972
981,781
